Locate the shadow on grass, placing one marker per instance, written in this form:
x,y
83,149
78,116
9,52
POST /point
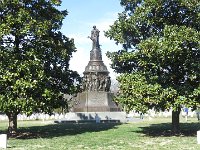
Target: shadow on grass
x,y
164,129
63,129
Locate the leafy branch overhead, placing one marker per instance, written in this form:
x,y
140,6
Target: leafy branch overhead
x,y
35,55
159,63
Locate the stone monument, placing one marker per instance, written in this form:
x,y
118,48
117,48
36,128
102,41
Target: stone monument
x,y
95,95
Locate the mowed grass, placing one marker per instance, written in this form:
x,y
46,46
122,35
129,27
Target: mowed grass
x,y
144,135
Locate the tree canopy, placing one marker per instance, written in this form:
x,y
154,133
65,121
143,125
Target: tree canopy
x,y
159,64
34,58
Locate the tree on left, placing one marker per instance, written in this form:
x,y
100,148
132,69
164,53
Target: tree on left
x,y
34,58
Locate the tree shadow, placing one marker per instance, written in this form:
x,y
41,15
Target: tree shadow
x,y
62,129
164,129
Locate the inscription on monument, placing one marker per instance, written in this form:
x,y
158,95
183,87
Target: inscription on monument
x,y
97,99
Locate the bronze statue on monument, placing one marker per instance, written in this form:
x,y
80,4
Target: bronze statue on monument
x,y
95,95
95,38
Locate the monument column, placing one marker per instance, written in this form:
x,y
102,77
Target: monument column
x,y
95,95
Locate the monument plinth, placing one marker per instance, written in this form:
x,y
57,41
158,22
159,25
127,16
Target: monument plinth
x,y
95,95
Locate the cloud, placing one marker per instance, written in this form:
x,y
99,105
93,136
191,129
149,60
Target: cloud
x,y
79,60
103,24
83,44
80,39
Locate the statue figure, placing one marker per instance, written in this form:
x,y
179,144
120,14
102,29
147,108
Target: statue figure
x,y
86,82
95,38
96,82
107,84
102,83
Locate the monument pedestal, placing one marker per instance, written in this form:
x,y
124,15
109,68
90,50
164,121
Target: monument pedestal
x,y
95,101
96,83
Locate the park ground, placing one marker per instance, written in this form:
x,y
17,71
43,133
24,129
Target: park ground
x,y
145,134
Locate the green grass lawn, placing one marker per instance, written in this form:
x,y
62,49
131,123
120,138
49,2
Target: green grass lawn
x,y
147,134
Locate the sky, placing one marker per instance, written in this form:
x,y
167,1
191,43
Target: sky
x,y
82,16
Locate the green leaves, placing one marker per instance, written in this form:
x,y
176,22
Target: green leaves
x,y
136,92
161,54
34,57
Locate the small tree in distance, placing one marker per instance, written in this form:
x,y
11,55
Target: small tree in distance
x,y
160,60
34,58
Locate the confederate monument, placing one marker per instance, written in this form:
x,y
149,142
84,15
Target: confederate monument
x,y
95,95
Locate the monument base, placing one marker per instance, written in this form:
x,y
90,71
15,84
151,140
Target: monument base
x,y
92,117
95,101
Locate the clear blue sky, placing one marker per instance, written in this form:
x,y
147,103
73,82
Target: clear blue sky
x,y
83,14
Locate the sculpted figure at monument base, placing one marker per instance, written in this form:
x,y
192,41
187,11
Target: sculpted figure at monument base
x,y
96,82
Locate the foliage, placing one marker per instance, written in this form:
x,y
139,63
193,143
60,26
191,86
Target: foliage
x,y
34,54
160,60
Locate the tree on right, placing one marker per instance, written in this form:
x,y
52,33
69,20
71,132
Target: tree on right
x,y
159,64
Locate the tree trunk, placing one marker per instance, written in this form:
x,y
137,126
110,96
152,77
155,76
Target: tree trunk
x,y
175,121
12,126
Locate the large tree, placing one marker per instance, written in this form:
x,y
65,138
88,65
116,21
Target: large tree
x,y
159,64
34,58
